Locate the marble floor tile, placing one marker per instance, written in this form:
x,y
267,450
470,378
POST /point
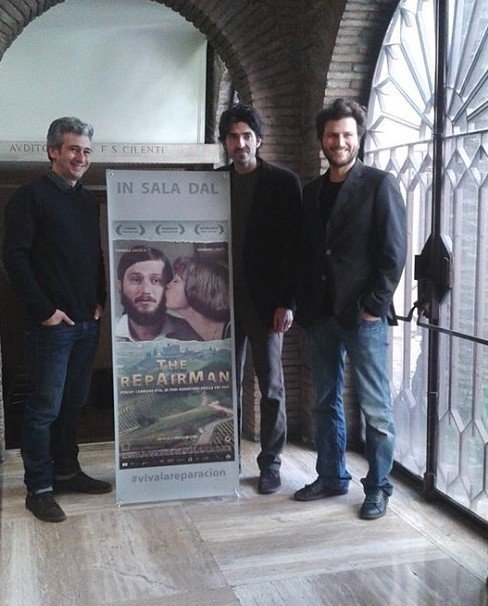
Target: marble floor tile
x,y
432,583
115,555
247,549
257,541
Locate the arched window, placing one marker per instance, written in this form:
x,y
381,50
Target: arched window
x,y
428,124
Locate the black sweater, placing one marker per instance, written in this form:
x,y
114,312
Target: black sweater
x,y
52,252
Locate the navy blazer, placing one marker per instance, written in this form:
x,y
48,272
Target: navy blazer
x,y
272,243
363,248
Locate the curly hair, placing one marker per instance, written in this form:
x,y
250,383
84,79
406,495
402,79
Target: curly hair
x,y
341,108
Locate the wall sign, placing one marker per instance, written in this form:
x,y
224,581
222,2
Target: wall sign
x,y
119,153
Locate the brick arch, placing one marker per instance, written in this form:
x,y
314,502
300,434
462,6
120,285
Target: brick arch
x,y
258,42
220,22
339,59
15,16
249,39
207,19
352,64
282,56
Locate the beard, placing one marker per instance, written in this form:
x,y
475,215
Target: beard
x,y
143,318
348,159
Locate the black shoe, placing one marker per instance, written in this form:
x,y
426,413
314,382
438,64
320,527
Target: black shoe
x,y
81,483
374,505
269,482
44,507
318,490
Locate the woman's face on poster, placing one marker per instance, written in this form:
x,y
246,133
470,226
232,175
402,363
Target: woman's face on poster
x,y
175,294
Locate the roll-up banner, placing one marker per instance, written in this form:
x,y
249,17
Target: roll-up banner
x,y
173,347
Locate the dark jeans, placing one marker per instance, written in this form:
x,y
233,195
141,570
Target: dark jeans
x,y
266,347
59,361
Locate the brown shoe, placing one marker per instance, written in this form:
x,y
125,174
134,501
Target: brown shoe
x,y
81,483
44,507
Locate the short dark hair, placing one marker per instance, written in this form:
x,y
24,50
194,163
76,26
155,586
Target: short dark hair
x,y
341,108
206,286
62,126
141,253
240,113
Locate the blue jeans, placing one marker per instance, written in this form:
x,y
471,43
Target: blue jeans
x,y
367,347
59,361
266,347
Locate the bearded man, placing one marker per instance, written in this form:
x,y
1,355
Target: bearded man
x,y
143,274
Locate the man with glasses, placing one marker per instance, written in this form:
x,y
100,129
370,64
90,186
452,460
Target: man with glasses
x,y
53,257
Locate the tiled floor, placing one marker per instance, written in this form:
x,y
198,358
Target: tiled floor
x,y
249,550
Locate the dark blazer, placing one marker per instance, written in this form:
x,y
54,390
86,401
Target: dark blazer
x,y
272,243
363,248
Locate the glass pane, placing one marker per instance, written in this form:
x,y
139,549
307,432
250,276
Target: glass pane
x,y
401,104
463,413
409,388
399,139
465,220
463,430
467,78
400,111
412,164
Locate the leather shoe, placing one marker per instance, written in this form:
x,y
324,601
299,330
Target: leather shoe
x,y
374,505
44,507
80,482
269,482
318,490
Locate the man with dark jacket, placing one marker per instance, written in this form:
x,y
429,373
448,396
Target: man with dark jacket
x,y
355,234
266,219
53,257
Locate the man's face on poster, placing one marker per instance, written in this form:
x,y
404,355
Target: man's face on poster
x,y
142,291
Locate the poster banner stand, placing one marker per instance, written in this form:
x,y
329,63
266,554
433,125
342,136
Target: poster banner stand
x,y
173,347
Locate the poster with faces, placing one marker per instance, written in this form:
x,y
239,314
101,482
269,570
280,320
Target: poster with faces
x,y
172,341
